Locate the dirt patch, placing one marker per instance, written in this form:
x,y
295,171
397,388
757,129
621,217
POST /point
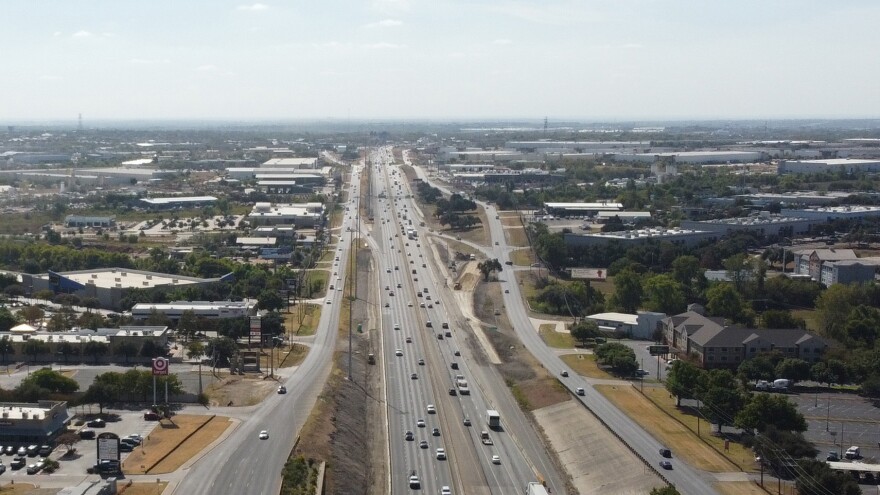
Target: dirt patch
x,y
193,445
523,257
540,392
740,488
509,220
166,438
143,488
468,276
303,319
237,390
666,430
21,489
516,236
585,365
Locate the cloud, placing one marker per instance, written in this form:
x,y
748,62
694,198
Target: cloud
x,y
383,24
254,7
382,45
391,5
502,41
82,34
149,61
207,68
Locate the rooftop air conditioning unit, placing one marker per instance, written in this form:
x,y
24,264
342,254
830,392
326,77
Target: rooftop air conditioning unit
x,y
146,283
124,274
94,275
149,277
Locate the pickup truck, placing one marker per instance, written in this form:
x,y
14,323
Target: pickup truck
x,y
484,437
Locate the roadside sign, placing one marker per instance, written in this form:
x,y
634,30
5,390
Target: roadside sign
x,y
108,447
160,366
658,350
256,327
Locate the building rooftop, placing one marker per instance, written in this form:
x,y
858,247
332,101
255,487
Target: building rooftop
x,y
257,241
27,410
108,278
178,199
838,161
760,220
657,232
186,305
625,318
841,209
585,206
290,162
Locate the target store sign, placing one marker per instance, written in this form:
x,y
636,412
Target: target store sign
x,y
160,366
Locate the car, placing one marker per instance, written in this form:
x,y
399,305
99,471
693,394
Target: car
x,y
666,464
409,304
397,326
431,409
399,286
666,452
130,441
833,456
32,450
2,468
435,431
398,352
421,305
414,376
456,353
409,340
17,463
496,459
429,324
97,423
282,389
420,423
452,391
424,265
423,444
148,416
414,481
421,362
507,291
564,373
332,287
444,325
579,391
264,435
328,301
445,490
430,305
9,450
85,434
441,454
439,336
45,450
467,421
125,447
33,469
641,372
387,305
496,243
408,436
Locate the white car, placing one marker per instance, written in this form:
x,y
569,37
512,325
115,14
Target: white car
x,y
264,435
398,352
431,409
441,454
496,459
579,391
420,423
445,490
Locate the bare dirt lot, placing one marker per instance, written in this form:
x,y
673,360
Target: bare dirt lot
x,y
236,390
172,443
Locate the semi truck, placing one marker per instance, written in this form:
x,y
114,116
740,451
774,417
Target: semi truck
x,y
535,488
493,419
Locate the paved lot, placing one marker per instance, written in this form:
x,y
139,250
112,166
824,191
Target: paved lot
x,y
837,421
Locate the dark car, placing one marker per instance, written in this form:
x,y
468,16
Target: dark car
x,y
87,434
96,423
151,416
45,450
452,391
666,452
666,464
18,463
125,447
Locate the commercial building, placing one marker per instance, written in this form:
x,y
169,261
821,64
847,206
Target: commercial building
x,y
580,209
628,238
524,176
713,344
694,157
846,165
136,337
177,202
629,217
251,173
805,198
74,221
829,213
809,261
292,163
834,266
764,225
300,215
469,167
573,146
212,310
29,423
447,154
110,286
637,326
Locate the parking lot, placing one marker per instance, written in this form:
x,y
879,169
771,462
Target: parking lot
x,y
838,421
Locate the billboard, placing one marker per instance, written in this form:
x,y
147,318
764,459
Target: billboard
x,y
256,327
658,350
160,366
108,447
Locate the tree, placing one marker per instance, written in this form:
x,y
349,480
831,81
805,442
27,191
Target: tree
x,y
95,349
775,410
834,307
157,318
861,326
584,330
720,396
150,349
67,439
682,380
739,271
31,314
817,478
664,294
187,325
686,270
52,381
779,318
793,369
221,351
270,300
126,349
760,367
723,300
627,291
6,348
101,393
619,357
7,319
195,350
489,266
66,349
57,323
35,348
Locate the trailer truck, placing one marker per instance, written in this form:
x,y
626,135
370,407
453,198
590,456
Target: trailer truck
x,y
535,488
493,419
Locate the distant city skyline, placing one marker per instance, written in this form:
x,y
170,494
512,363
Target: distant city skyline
x,y
644,60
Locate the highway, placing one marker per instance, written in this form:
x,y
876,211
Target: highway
x,y
416,292
685,478
242,463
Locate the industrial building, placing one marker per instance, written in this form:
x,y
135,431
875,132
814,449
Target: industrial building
x,y
713,344
300,215
805,198
74,221
291,163
580,209
110,285
573,146
764,225
624,325
628,217
251,173
846,165
694,157
177,202
32,423
212,310
829,213
628,238
157,335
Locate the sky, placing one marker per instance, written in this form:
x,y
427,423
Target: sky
x,y
588,60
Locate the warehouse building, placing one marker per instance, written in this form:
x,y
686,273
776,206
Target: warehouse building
x,y
300,215
177,202
846,165
694,157
580,209
155,337
212,310
74,221
629,238
829,213
291,163
764,225
110,286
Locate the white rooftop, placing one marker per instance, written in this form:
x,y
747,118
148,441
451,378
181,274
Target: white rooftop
x,y
178,199
290,162
657,232
586,206
108,278
30,411
187,305
839,161
625,318
257,241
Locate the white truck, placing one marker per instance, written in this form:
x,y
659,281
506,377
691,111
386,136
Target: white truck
x,y
493,419
462,385
535,488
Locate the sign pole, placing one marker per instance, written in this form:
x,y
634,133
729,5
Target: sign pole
x,y
154,389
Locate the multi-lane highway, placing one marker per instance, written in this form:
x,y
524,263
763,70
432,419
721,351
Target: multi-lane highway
x,y
687,479
419,362
245,464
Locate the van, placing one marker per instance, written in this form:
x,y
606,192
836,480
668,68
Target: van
x,y
853,453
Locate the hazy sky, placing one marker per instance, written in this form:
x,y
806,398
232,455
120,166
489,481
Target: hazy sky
x,y
583,59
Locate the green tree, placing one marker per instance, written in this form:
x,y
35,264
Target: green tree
x,y
686,270
664,294
720,396
221,350
585,330
723,300
834,307
778,318
760,367
35,348
195,350
126,349
666,490
489,266
270,300
66,349
861,326
187,325
101,393
157,318
95,349
67,439
6,347
793,369
52,381
627,291
683,380
817,478
31,314
150,349
619,357
7,319
739,271
775,410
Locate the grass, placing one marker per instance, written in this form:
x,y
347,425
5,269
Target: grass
x,y
585,365
284,357
143,488
17,489
516,236
321,275
741,488
555,339
606,287
539,392
522,257
309,324
168,446
810,316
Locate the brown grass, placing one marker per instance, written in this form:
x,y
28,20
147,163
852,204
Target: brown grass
x,y
17,489
143,488
555,339
740,488
685,444
311,317
172,441
585,365
540,392
522,257
284,357
239,390
510,220
516,236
